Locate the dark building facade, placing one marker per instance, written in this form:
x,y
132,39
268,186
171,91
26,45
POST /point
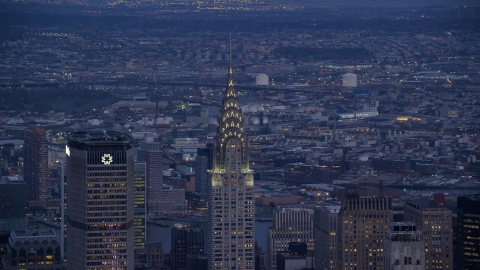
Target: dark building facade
x,y
186,240
155,255
467,248
203,163
35,158
100,211
12,205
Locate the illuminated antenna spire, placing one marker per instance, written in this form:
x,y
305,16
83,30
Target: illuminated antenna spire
x,y
230,68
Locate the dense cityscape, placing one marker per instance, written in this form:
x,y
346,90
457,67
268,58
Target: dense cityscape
x,y
192,135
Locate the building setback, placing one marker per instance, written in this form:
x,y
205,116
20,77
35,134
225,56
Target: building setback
x,y
100,210
361,228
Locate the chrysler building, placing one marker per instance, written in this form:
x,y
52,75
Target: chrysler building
x,y
231,232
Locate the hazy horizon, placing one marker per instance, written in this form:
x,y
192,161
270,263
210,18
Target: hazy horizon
x,y
397,3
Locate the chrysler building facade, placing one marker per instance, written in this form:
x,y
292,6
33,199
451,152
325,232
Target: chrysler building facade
x,y
231,234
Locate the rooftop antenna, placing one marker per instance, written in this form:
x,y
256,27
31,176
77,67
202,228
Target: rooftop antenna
x,y
230,56
230,68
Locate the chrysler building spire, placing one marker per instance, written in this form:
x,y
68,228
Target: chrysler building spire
x,y
231,234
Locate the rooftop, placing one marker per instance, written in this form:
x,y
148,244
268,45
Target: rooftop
x,y
96,137
33,233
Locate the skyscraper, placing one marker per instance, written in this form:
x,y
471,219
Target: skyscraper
x,y
289,225
325,235
403,248
139,222
435,222
150,152
231,235
35,163
361,228
203,163
186,240
467,252
100,210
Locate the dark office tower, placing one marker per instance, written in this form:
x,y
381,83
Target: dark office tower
x,y
435,222
100,210
325,234
12,205
155,255
35,158
468,233
139,221
203,163
361,228
231,232
150,152
186,240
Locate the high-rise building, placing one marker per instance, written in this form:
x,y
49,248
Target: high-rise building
x,y
361,228
289,225
155,255
468,233
151,153
172,200
325,235
139,220
404,248
186,240
35,158
231,234
435,222
100,210
12,204
63,209
203,163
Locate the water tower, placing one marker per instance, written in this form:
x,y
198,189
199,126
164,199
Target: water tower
x,y
349,80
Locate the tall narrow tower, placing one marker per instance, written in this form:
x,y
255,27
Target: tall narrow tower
x,y
231,234
35,163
